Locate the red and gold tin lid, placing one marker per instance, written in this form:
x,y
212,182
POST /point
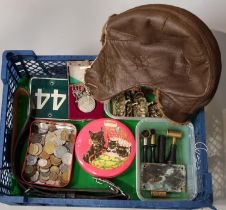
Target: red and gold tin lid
x,y
105,148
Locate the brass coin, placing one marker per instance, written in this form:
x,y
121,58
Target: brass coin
x,y
54,160
64,135
30,171
55,169
39,149
65,178
44,155
53,176
33,149
49,148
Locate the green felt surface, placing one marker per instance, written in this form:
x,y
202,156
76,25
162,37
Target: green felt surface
x,y
81,179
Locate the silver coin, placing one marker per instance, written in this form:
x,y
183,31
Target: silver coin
x,y
35,177
44,170
42,162
50,137
44,178
45,174
67,158
43,128
58,140
31,160
86,104
63,167
60,151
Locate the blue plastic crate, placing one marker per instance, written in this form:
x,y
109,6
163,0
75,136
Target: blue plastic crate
x,y
27,63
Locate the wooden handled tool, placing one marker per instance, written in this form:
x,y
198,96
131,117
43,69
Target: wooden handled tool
x,y
175,135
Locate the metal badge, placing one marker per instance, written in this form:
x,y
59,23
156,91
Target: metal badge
x,y
85,101
86,104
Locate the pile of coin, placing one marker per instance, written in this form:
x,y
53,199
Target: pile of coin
x,y
49,155
133,103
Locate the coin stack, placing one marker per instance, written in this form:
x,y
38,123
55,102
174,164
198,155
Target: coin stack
x,y
49,157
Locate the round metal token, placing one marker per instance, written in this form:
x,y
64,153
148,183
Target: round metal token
x,y
86,104
49,148
48,165
53,176
64,135
36,138
30,171
59,141
31,160
39,149
44,155
35,177
43,128
55,169
60,151
65,178
44,176
50,137
42,162
44,170
64,168
67,158
105,148
33,149
54,160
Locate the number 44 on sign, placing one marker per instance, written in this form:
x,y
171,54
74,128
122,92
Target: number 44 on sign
x,y
55,95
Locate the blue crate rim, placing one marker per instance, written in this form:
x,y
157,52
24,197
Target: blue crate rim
x,y
187,204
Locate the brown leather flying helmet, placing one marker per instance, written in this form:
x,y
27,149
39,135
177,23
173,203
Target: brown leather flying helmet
x,y
162,47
